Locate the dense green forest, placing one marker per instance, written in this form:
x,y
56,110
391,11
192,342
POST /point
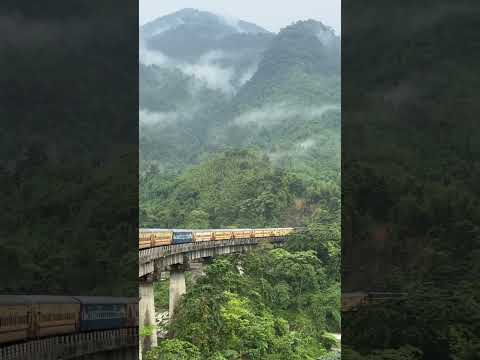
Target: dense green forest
x,y
68,180
410,193
264,153
283,302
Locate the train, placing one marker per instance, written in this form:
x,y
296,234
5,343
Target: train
x,y
25,318
149,238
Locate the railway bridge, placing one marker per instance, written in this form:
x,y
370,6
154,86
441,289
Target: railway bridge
x,y
121,344
176,260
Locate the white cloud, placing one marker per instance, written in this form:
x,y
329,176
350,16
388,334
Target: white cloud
x,y
207,69
307,144
247,75
273,114
154,118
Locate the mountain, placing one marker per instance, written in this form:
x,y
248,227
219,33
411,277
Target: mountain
x,y
290,108
306,48
281,98
200,19
241,128
189,34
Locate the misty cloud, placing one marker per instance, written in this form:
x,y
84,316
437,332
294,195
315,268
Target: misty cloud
x,y
157,118
148,57
326,37
207,69
273,114
247,75
307,144
215,76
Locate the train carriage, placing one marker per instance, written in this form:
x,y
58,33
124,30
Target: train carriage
x,y
102,313
149,238
243,233
54,315
223,234
264,233
14,318
203,235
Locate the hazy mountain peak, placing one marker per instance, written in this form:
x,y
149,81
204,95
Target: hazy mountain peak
x,y
310,27
197,19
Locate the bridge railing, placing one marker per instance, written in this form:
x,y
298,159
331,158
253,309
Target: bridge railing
x,y
71,346
150,254
147,255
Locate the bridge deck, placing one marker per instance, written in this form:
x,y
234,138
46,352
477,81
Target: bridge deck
x,y
161,257
71,346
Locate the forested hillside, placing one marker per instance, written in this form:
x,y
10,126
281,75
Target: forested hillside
x,y
410,198
243,130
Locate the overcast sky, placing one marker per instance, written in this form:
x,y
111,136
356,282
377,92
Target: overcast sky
x,y
270,14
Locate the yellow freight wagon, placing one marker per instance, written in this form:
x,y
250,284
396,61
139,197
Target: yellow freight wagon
x,y
14,318
149,238
243,234
263,233
222,234
55,315
203,235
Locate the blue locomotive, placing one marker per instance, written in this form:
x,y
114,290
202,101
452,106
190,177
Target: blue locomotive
x,y
182,237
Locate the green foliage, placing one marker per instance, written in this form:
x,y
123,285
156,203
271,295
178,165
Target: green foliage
x,y
174,350
238,189
147,330
273,308
266,155
56,228
161,293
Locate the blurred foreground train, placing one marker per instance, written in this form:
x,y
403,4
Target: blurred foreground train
x,y
149,238
25,318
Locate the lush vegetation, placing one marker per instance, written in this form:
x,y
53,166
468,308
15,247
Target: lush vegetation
x,y
272,304
267,154
410,185
237,189
68,194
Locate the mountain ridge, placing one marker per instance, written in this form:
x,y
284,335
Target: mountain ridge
x,y
281,98
195,16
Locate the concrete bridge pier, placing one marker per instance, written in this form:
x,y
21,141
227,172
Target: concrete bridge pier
x,y
147,314
177,287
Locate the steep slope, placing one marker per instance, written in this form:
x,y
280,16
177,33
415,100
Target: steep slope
x,y
202,43
305,48
291,106
217,157
288,108
188,34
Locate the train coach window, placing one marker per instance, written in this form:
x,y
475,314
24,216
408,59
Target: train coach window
x,y
12,321
57,316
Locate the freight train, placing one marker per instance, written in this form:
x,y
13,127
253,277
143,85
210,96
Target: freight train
x,y
149,238
24,318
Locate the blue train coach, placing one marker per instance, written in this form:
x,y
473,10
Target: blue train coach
x,y
98,313
182,237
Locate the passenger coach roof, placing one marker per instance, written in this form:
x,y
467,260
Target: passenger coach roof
x,y
153,230
13,300
51,299
105,300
